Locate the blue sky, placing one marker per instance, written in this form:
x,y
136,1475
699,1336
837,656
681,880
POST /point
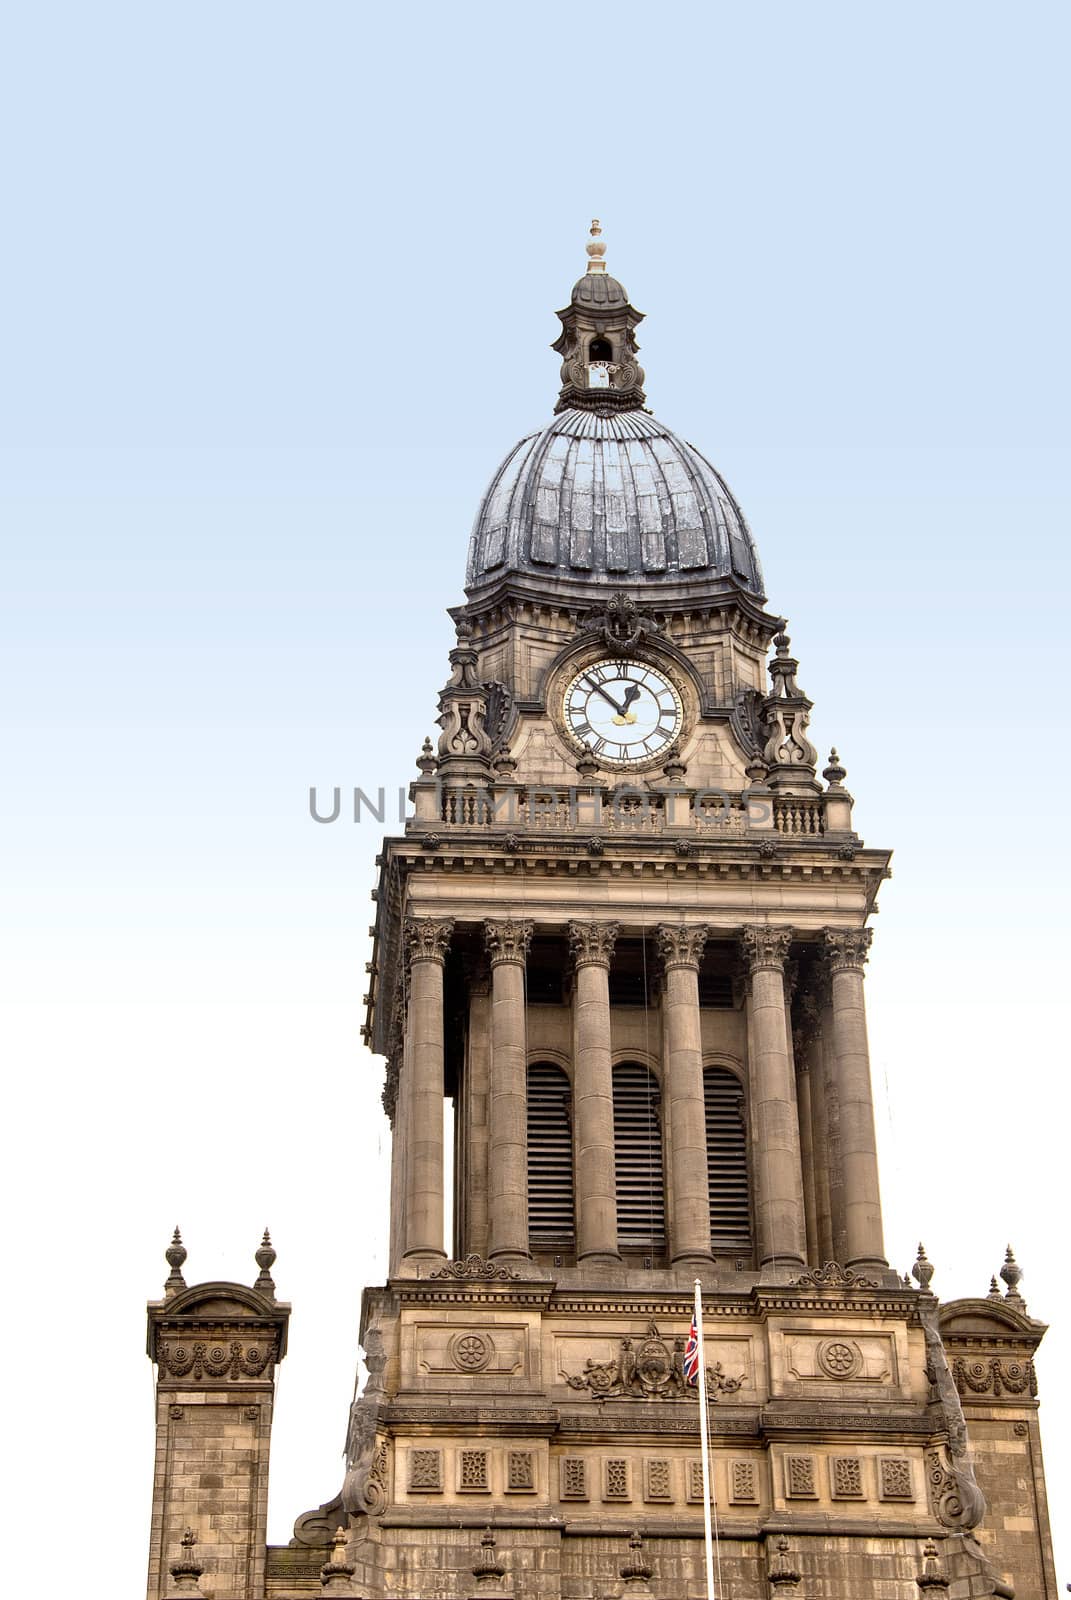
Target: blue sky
x,y
280,285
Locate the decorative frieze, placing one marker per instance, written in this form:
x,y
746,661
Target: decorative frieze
x,y
231,1360
425,1471
473,1268
832,1276
994,1376
765,946
800,1478
648,1369
895,1478
520,1472
427,939
681,946
846,1478
473,1475
592,943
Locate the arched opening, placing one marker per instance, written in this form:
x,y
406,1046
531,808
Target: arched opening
x,y
551,1215
600,349
641,1208
727,1174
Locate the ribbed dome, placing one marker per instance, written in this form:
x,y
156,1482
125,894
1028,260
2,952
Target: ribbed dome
x,y
598,289
593,497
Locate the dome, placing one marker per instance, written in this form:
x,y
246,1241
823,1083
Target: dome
x,y
593,497
598,289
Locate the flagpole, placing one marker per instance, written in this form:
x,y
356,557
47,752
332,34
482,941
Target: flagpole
x,y
704,1442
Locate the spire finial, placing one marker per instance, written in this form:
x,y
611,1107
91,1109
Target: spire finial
x,y
186,1571
931,1576
336,1572
1011,1272
175,1255
596,249
922,1271
265,1260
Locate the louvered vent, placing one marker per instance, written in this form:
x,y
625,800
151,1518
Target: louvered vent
x,y
730,1207
641,1215
550,1159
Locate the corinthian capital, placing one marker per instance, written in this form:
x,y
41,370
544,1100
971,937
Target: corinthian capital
x,y
847,948
680,946
592,943
765,946
507,941
427,938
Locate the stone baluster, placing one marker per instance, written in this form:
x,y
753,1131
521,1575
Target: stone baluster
x,y
681,949
782,1235
592,945
427,940
507,944
850,1069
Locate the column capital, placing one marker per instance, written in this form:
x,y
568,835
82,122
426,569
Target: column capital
x,y
507,941
847,948
765,946
427,939
592,943
680,945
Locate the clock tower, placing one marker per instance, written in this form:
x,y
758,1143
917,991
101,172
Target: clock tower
x,y
623,938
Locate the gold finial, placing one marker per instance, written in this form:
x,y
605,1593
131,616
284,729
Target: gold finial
x,y
596,249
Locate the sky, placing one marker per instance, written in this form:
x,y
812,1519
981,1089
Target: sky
x,y
279,285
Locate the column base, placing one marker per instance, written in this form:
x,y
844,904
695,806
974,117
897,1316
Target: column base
x,y
420,1263
700,1260
599,1258
872,1267
781,1269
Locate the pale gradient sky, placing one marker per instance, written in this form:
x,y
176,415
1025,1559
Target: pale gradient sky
x,y
279,284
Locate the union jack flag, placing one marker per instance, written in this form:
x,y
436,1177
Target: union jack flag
x,y
691,1354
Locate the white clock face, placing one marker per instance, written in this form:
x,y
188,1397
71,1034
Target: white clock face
x,y
625,710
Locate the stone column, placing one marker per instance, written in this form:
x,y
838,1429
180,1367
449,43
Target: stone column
x,y
507,1199
681,949
427,940
592,945
864,1246
782,1237
801,1056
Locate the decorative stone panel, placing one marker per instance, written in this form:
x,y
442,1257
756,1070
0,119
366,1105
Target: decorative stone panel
x,y
800,1480
520,1472
616,1484
573,1482
846,1478
743,1483
473,1476
895,1477
695,1482
426,1471
840,1359
657,1479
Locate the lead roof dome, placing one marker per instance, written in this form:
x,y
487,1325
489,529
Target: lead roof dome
x,y
605,491
617,497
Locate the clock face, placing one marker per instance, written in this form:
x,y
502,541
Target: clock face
x,y
625,710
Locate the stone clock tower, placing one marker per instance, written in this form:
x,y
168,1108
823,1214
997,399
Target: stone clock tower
x,y
624,937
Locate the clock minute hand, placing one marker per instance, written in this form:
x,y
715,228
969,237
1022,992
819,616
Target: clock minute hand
x,y
610,701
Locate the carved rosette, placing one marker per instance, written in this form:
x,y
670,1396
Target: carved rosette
x,y
847,948
592,943
765,947
427,939
507,942
680,946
